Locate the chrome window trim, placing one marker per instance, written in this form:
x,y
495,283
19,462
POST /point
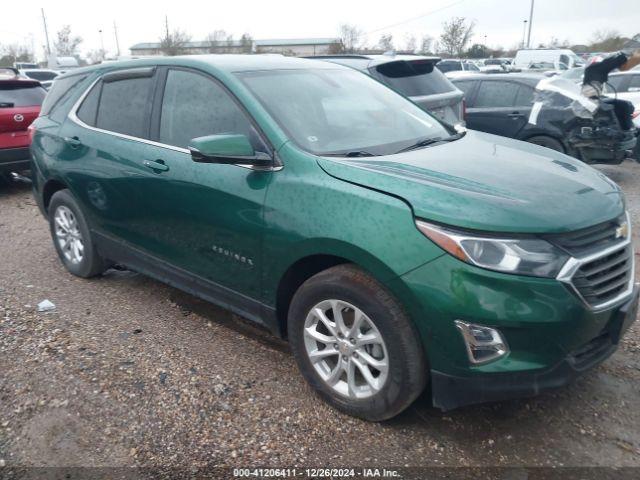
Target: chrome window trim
x,y
75,119
574,263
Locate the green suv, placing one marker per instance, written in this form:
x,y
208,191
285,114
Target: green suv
x,y
392,251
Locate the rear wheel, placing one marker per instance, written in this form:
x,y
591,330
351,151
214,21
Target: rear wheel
x,y
548,142
355,345
71,236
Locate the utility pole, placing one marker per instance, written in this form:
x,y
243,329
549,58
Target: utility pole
x,y
524,34
46,33
101,40
530,24
166,24
115,31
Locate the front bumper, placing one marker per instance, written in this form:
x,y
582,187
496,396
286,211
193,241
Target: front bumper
x,y
452,392
14,159
552,335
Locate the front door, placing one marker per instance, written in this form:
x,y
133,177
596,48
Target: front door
x,y
203,218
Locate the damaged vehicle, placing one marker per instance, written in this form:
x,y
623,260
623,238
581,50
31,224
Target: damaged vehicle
x,y
551,112
391,250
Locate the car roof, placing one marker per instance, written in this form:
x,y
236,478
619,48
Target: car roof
x,y
228,63
531,78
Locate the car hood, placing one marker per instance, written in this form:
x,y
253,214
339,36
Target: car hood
x,y
489,183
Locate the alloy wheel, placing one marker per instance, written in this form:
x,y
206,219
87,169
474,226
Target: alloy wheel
x,y
68,234
346,349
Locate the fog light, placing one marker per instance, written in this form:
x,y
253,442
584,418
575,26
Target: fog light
x,y
484,344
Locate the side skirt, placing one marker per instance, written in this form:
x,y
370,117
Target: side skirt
x,y
135,259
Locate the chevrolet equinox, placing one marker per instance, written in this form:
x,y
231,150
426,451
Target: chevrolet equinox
x,y
393,252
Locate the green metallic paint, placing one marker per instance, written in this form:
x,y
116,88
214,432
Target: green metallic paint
x,y
211,219
491,183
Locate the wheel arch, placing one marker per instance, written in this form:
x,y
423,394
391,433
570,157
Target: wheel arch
x,y
553,136
50,187
305,265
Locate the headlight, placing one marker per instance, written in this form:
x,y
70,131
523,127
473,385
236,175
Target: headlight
x,y
522,256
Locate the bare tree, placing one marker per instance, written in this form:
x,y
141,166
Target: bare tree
x,y
606,41
174,43
351,38
410,43
9,54
426,44
246,43
385,43
65,43
457,33
217,40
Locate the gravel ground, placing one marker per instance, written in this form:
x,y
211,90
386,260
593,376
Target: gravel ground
x,y
130,372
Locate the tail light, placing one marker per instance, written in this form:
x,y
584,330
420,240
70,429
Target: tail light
x,y
31,132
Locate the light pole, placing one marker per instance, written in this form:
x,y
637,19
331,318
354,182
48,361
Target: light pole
x,y
530,24
524,32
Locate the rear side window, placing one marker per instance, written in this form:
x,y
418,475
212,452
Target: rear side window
x,y
89,108
194,106
496,94
14,95
60,89
124,106
414,79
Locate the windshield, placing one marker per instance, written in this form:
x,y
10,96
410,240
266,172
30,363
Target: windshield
x,y
338,111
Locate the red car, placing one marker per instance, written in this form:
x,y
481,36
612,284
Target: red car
x,y
20,101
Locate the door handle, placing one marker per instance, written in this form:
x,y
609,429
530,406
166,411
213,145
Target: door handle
x,y
156,165
515,115
73,142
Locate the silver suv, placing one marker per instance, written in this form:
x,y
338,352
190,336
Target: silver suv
x,y
413,76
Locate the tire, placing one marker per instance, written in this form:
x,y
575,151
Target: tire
x,y
88,263
355,291
548,142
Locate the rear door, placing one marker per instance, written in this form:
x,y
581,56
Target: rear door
x,y
106,142
500,107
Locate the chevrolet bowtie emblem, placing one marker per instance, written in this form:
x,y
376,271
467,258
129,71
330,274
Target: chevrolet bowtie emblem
x,y
622,231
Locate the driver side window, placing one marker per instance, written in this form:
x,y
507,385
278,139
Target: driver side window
x,y
194,105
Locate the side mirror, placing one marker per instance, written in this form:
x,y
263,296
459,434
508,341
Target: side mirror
x,y
228,148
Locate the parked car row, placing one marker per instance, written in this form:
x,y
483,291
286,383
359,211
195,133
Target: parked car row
x,y
392,250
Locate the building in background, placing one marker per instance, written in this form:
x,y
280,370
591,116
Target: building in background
x,y
294,46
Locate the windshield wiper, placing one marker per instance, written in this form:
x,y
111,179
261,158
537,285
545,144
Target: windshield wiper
x,y
352,154
425,142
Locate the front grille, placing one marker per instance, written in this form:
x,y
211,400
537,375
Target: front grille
x,y
581,242
606,277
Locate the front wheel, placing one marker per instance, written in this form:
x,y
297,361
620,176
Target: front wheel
x,y
355,345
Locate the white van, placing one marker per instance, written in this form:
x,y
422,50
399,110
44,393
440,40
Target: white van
x,y
547,59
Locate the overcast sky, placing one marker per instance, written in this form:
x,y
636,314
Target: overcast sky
x,y
500,20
